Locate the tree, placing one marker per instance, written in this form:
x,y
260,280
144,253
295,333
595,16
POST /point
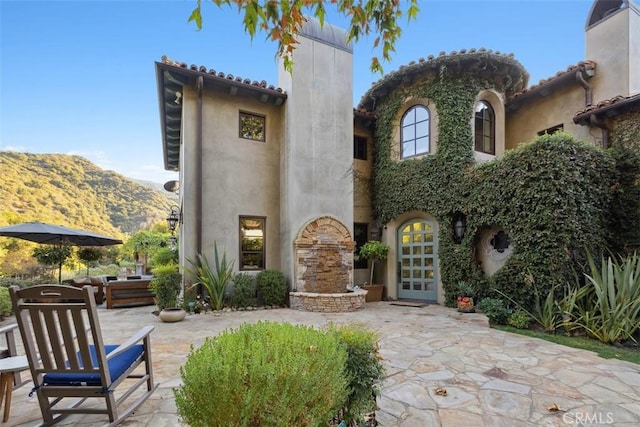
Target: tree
x,y
53,255
89,256
282,20
144,244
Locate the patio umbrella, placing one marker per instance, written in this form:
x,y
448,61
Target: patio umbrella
x,y
40,232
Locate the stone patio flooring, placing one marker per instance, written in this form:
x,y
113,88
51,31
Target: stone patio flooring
x,y
492,378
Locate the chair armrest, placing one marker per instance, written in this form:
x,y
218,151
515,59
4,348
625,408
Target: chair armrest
x,y
8,328
139,336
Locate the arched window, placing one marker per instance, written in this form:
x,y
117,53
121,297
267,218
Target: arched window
x,y
414,133
485,128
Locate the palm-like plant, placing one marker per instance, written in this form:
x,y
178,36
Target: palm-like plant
x,y
213,280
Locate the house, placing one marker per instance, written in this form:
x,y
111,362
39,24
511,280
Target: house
x,y
287,176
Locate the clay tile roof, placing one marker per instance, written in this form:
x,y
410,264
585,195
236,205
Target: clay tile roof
x,y
211,72
510,73
607,107
582,65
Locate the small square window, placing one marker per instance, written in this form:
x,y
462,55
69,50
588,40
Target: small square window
x,y
252,126
360,148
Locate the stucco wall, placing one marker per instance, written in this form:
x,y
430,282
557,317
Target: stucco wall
x,y
614,44
362,211
523,124
239,176
317,152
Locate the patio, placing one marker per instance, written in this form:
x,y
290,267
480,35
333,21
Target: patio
x,y
491,378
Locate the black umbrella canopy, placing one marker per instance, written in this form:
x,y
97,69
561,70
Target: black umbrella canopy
x,y
40,232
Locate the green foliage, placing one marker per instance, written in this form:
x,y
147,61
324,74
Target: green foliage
x,y
282,21
374,251
244,290
90,256
166,285
519,319
495,310
71,191
608,305
364,370
463,289
164,256
5,303
52,255
214,280
563,185
546,309
272,287
264,374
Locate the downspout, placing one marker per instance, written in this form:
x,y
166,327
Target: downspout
x,y
198,207
593,119
588,96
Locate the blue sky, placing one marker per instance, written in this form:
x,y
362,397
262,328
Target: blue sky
x,y
77,77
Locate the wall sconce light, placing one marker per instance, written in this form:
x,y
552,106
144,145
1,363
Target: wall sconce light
x,y
178,98
459,227
174,218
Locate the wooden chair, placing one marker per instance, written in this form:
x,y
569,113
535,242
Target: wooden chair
x,y
61,332
8,349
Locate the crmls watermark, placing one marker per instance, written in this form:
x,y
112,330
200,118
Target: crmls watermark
x,y
584,418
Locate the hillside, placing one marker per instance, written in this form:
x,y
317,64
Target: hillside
x,y
70,190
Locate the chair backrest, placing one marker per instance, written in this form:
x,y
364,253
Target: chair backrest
x,y
60,331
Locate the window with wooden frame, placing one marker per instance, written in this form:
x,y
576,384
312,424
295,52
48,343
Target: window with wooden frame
x,y
360,147
252,126
360,235
252,242
485,128
414,131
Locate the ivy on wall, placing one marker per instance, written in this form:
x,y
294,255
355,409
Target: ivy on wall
x,y
553,195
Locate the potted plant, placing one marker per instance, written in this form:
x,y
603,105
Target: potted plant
x,y
166,285
465,298
373,251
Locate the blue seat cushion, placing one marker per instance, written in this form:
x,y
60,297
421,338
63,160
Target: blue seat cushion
x,y
117,366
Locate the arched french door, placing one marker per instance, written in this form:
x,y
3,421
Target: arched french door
x,y
417,260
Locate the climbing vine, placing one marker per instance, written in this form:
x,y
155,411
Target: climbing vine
x,y
553,195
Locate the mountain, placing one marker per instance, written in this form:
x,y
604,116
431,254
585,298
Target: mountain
x,y
70,190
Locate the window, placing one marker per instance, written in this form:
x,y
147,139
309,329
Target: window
x,y
252,126
360,148
485,125
360,235
414,131
551,130
252,243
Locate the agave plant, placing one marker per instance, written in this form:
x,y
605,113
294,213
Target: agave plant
x,y
214,280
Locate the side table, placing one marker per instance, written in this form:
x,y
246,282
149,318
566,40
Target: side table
x,y
9,366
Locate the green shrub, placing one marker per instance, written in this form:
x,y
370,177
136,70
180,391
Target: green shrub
x,y
7,282
608,305
364,370
495,310
264,374
244,290
213,280
272,287
166,285
5,303
519,319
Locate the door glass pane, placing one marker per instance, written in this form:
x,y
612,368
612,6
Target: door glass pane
x,y
417,262
406,274
428,249
406,262
429,274
417,250
428,237
417,286
417,238
406,286
428,262
406,250
417,274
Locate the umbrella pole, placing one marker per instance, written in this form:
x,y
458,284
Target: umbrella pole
x,y
59,273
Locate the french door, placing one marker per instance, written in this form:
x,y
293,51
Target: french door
x,y
417,260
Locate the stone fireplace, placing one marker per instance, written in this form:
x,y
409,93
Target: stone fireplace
x,y
324,268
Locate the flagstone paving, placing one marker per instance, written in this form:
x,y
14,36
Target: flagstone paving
x,y
491,378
